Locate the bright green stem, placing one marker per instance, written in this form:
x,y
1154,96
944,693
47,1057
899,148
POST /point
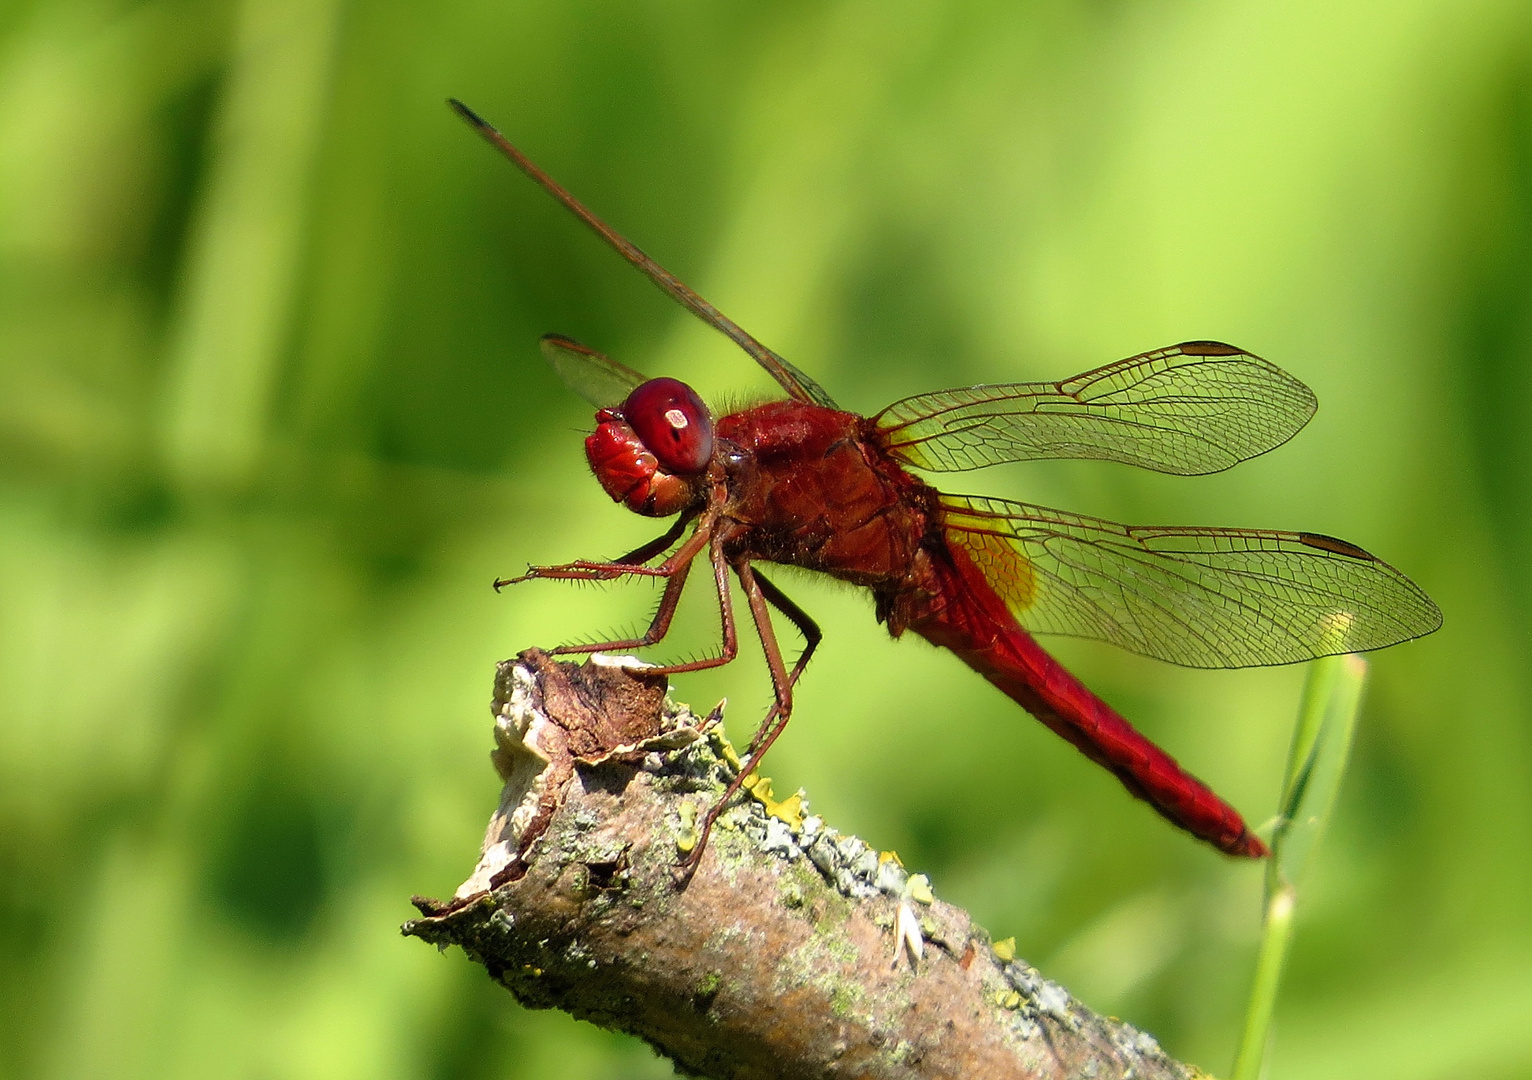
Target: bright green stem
x,y
1276,931
1316,762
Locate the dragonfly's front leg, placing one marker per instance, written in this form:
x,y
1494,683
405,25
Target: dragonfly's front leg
x,y
644,552
667,609
631,563
675,570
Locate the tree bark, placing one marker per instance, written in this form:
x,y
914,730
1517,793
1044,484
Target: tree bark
x,y
793,952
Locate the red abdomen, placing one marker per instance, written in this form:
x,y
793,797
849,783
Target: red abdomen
x,y
817,494
967,617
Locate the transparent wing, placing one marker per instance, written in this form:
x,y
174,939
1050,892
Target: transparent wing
x,y
1198,407
795,382
598,379
1211,598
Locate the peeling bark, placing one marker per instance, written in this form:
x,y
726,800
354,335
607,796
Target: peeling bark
x,y
793,952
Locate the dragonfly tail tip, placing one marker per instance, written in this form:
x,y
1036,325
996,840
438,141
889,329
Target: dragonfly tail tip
x,y
1249,846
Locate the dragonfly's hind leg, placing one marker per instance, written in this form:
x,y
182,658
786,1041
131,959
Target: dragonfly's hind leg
x,y
759,592
812,636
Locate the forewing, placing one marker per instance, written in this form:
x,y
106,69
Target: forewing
x,y
1198,407
795,382
598,379
1210,598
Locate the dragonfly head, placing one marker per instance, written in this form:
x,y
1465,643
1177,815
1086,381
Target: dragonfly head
x,y
651,451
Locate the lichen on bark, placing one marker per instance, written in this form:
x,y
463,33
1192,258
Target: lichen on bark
x,y
793,951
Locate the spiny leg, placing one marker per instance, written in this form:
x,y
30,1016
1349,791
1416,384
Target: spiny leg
x,y
674,569
644,552
609,570
586,570
667,609
805,626
659,626
781,711
725,614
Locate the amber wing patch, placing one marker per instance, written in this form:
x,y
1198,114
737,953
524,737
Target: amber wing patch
x,y
1009,572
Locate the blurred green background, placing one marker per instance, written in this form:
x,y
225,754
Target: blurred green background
x,y
272,417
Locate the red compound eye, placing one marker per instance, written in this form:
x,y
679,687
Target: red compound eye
x,y
673,423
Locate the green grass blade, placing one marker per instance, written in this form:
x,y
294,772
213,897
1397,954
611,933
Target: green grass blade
x,y
1276,932
1332,697
1321,746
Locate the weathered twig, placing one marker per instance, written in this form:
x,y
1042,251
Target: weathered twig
x,y
792,953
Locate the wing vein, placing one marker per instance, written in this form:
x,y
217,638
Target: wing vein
x,y
1199,597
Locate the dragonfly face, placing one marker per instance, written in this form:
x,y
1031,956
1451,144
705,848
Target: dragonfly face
x,y
650,453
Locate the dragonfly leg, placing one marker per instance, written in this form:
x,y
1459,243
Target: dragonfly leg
x,y
725,613
662,617
674,569
630,565
782,684
659,626
805,626
587,570
644,552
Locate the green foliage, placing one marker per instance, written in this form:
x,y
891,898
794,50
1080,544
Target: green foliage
x,y
272,417
1316,762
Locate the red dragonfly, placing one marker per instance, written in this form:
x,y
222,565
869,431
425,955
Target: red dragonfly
x,y
804,483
